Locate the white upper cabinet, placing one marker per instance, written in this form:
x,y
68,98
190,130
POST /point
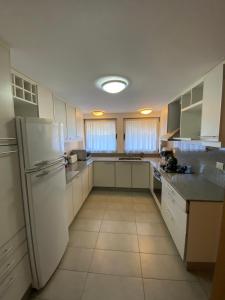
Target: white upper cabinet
x,y
60,114
45,103
212,99
71,122
7,124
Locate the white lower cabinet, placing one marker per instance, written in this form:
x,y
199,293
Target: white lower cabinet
x,y
85,182
77,194
140,175
17,282
90,176
104,174
175,216
123,174
69,203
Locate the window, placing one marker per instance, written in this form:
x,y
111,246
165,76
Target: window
x,y
100,135
141,135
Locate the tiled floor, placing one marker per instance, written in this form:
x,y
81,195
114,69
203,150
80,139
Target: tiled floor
x,y
120,249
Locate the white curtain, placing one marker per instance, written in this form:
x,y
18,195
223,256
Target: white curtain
x,y
100,135
141,135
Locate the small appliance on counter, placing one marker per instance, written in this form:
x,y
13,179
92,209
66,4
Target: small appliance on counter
x,y
81,154
72,158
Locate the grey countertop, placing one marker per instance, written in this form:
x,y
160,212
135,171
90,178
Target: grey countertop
x,y
191,187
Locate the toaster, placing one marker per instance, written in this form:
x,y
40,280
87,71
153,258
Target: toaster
x,y
81,154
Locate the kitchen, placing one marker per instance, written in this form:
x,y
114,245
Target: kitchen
x,y
112,186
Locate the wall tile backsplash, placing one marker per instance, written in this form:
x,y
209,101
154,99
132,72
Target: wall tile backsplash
x,y
202,161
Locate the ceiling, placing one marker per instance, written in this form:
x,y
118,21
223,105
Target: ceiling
x,y
160,46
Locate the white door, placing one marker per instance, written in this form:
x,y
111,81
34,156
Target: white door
x,y
60,114
90,176
48,218
85,183
11,203
140,175
69,203
104,174
71,122
45,103
42,141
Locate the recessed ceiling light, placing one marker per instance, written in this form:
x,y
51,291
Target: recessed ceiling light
x,y
98,113
112,84
146,111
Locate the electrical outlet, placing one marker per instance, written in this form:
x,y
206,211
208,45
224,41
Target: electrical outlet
x,y
220,165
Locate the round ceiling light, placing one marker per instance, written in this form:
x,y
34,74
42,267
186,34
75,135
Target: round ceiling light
x,y
112,84
98,113
146,111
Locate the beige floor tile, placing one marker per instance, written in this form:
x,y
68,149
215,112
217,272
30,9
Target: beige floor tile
x,y
93,214
156,245
78,259
120,206
172,290
114,241
164,267
83,239
156,229
86,225
117,215
106,287
145,208
148,217
96,205
65,285
118,227
116,263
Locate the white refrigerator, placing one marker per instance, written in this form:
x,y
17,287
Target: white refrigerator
x,y
41,149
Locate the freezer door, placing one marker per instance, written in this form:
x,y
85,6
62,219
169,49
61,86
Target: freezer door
x,y
42,141
48,231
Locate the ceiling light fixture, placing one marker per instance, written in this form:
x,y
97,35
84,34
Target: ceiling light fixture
x,y
146,111
98,113
112,84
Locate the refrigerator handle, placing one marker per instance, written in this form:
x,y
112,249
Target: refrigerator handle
x,y
48,162
45,172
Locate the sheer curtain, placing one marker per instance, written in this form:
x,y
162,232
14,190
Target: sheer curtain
x,y
141,135
100,135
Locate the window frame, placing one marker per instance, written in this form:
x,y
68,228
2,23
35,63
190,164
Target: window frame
x,y
103,119
141,118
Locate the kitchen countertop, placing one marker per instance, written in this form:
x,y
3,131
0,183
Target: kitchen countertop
x,y
191,187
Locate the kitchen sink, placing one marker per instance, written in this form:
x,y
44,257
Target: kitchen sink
x,y
130,158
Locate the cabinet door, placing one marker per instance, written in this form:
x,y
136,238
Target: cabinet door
x,y
11,203
80,124
151,177
140,175
69,203
77,194
85,183
212,99
71,122
163,120
104,174
45,103
123,174
90,176
7,123
60,114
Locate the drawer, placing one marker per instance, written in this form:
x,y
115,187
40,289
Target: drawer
x,y
11,245
14,286
9,264
174,196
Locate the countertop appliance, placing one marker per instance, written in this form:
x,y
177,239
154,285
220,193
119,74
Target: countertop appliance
x,y
72,158
81,154
41,148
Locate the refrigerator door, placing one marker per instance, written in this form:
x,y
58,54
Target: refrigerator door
x,y
46,221
42,141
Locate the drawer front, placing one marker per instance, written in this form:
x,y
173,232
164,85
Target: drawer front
x,y
9,248
14,286
10,263
175,219
174,196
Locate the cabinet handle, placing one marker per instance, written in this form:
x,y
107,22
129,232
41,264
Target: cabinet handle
x,y
6,252
8,152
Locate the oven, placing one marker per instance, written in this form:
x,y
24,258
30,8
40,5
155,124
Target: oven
x,y
157,185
